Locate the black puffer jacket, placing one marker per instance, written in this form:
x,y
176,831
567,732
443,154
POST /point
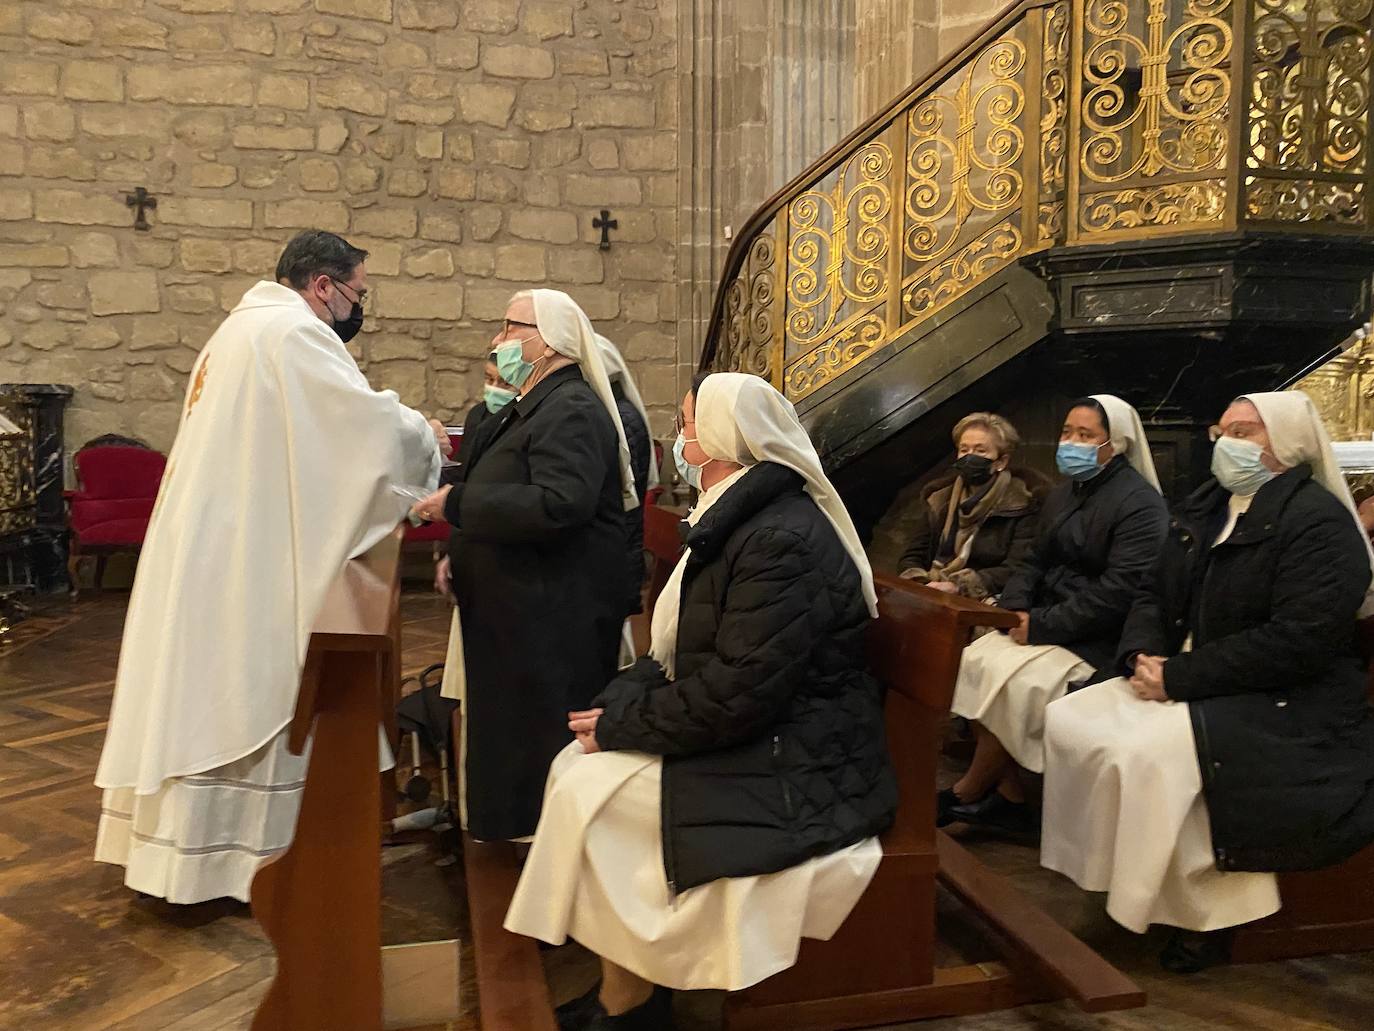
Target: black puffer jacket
x,y
637,439
772,732
1098,541
1275,688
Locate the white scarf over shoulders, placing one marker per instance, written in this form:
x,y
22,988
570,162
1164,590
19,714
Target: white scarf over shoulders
x,y
281,471
618,372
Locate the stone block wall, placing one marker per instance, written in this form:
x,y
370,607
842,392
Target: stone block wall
x,y
466,143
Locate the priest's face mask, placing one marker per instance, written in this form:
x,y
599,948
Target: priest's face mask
x,y
344,301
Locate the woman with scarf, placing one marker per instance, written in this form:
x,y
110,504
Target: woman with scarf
x,y
722,798
979,523
1099,535
1238,740
538,519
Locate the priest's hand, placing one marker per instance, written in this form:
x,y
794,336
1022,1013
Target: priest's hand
x,y
1148,680
1020,633
443,576
431,509
441,438
583,725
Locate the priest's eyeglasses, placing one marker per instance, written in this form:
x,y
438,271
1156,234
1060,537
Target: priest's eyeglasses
x,y
359,296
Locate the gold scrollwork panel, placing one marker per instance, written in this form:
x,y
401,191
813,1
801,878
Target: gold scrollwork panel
x,y
751,312
1054,144
839,238
1309,111
1191,205
955,276
818,367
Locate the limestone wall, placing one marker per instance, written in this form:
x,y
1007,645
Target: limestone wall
x,y
466,143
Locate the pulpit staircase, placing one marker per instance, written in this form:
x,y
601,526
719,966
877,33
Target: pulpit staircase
x,y
1164,199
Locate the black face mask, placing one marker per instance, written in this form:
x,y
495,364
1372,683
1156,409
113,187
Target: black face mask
x,y
348,328
975,470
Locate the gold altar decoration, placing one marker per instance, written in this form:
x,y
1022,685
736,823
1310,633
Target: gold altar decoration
x,y
1065,123
1343,391
18,491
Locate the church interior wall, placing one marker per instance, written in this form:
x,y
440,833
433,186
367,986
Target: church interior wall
x,y
467,146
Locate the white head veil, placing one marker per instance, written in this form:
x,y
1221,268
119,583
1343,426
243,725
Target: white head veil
x,y
565,328
1296,435
742,418
618,371
1128,436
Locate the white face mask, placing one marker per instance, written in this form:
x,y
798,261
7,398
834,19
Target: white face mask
x,y
1237,464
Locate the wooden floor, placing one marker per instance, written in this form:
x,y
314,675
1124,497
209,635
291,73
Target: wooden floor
x,y
78,952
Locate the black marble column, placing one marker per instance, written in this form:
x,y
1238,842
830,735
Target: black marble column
x,y
33,524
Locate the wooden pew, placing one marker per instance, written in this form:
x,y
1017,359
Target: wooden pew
x,y
880,967
320,900
1323,911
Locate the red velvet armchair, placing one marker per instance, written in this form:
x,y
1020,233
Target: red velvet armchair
x,y
110,509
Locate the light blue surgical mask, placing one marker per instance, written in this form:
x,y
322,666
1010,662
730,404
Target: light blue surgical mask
x,y
497,398
1078,461
511,364
691,474
1238,467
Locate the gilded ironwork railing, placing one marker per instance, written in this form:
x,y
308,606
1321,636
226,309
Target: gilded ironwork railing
x,y
1064,123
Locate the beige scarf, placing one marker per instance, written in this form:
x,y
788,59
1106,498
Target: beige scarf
x,y
1004,492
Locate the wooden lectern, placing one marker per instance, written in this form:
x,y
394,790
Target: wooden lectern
x,y
320,900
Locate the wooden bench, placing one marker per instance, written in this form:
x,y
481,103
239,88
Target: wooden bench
x,y
1323,911
880,968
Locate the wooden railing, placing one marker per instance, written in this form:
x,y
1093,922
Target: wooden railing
x,y
1063,123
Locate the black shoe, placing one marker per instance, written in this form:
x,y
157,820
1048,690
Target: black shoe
x,y
995,812
1188,952
945,800
576,1014
654,1015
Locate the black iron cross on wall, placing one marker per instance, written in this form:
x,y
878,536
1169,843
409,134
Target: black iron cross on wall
x,y
142,202
605,223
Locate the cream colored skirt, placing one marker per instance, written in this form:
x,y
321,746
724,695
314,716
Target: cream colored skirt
x,y
595,874
205,836
1125,814
1006,687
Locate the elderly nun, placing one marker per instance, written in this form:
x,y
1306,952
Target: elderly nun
x,y
1099,534
723,796
1242,742
539,521
635,419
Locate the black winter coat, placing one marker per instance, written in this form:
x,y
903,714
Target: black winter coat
x,y
1098,541
538,520
1273,681
772,733
1004,541
641,448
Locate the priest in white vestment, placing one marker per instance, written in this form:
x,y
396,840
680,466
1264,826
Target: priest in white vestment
x,y
722,798
283,468
1240,741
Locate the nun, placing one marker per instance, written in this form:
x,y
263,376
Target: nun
x,y
723,796
1100,532
635,419
1238,740
538,519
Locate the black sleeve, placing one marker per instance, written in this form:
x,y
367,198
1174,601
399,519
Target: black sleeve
x,y
1144,630
920,548
568,463
637,440
1019,591
1023,535
1319,585
1098,607
763,645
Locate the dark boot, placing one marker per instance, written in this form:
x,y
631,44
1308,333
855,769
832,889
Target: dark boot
x,y
945,800
995,812
576,1014
654,1015
1188,952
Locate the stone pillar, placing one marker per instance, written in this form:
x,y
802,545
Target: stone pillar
x,y
896,42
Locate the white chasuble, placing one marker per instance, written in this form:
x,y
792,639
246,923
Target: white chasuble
x,y
281,471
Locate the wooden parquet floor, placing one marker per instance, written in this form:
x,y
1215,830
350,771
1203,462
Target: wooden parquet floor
x,y
79,952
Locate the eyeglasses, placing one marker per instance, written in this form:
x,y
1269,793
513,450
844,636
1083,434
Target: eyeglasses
x,y
508,324
680,424
359,296
1241,430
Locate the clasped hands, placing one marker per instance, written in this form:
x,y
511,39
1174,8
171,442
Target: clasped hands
x,y
1148,680
583,725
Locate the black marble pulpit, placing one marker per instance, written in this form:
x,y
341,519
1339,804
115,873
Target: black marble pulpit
x,y
33,524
